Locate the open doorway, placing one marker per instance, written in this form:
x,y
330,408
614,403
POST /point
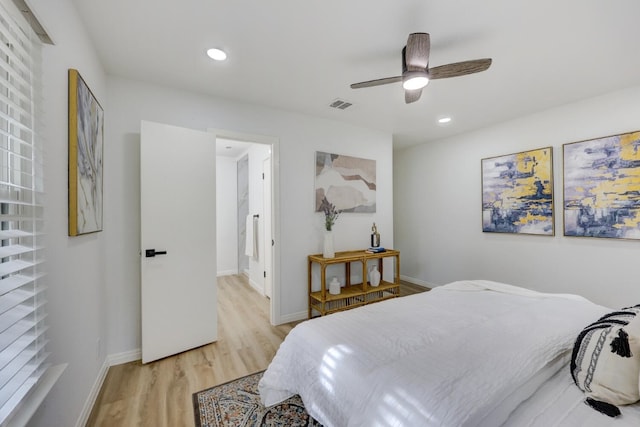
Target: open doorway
x,y
245,214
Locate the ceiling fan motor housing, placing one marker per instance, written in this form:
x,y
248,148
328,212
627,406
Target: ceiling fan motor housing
x,y
421,75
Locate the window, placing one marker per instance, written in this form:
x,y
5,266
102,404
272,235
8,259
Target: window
x,y
23,356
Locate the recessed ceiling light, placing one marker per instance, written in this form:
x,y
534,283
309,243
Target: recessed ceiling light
x,y
217,54
444,120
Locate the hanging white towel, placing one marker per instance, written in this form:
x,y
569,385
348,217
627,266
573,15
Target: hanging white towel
x,y
249,236
256,236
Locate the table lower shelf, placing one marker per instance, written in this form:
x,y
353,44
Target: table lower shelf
x,y
353,296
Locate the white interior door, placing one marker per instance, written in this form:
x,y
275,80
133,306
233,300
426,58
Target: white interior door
x,y
268,236
178,211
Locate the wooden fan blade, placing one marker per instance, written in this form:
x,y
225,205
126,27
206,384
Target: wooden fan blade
x,y
417,51
412,95
377,82
459,69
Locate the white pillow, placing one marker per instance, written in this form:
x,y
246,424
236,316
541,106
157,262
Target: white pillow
x,y
605,363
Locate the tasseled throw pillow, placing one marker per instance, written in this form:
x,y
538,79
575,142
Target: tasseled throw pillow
x,y
605,363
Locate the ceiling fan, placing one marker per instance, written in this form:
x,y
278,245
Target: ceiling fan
x,y
416,72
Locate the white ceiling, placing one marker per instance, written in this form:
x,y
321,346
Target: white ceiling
x,y
231,148
300,55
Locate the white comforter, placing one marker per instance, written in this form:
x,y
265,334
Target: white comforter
x,y
463,354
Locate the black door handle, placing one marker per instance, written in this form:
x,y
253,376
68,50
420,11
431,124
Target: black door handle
x,y
150,253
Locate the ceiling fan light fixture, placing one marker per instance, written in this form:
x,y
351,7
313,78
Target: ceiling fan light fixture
x,y
414,80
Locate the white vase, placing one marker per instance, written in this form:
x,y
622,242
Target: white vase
x,y
334,287
328,251
374,276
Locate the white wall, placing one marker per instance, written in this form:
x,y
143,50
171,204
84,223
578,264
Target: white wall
x,y
300,228
437,201
78,273
226,215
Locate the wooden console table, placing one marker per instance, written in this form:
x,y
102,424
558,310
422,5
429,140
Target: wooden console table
x,y
352,295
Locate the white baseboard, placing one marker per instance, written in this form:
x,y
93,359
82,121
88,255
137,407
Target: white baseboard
x,y
293,317
257,287
93,395
110,360
227,273
125,357
417,281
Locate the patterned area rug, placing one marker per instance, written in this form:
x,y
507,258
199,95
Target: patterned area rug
x,y
237,403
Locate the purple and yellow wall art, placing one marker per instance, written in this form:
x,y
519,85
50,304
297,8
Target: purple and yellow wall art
x,y
602,187
517,193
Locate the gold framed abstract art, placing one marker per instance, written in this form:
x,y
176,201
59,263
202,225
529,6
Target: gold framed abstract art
x,y
602,187
517,193
86,140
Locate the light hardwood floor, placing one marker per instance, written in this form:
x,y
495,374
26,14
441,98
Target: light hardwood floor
x,y
159,394
408,288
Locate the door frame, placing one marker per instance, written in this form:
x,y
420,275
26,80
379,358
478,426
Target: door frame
x,y
267,188
274,317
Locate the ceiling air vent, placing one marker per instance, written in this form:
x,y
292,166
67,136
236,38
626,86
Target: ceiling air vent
x,y
340,104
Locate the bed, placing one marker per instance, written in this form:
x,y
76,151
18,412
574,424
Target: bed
x,y
470,353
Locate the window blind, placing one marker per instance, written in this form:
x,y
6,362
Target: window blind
x,y
23,356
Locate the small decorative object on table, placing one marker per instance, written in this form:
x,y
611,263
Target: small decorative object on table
x,y
374,276
375,250
375,236
327,248
334,286
331,214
